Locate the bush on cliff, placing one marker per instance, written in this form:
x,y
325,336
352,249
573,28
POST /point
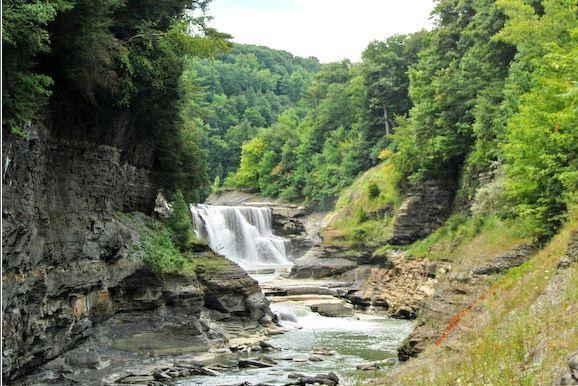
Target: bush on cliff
x,y
179,222
364,211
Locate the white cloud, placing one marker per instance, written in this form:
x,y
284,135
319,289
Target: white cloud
x,y
327,29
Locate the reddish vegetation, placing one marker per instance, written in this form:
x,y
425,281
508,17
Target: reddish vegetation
x,y
457,317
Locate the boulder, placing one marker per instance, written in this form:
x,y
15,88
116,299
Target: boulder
x,y
333,309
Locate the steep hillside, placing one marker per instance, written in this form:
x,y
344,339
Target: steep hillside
x,y
491,322
364,212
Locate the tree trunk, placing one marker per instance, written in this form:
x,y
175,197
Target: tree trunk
x,y
387,125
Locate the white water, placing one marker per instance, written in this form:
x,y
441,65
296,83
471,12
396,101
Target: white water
x,y
242,234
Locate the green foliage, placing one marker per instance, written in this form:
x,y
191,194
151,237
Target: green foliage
x,y
495,83
460,230
458,66
316,150
110,71
179,222
24,36
385,75
541,150
156,245
373,190
361,215
359,218
245,90
248,174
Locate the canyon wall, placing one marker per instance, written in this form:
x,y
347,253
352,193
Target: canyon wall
x,y
69,259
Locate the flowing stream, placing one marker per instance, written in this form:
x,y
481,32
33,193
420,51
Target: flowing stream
x,y
245,235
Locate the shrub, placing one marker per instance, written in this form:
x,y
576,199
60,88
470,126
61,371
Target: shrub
x,y
361,215
180,223
373,190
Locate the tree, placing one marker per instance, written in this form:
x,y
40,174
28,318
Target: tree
x,y
541,148
385,69
458,63
180,223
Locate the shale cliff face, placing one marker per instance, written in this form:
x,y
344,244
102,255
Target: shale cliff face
x,y
68,259
62,246
424,209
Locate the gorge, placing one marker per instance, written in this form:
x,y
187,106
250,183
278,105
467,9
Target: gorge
x,y
179,208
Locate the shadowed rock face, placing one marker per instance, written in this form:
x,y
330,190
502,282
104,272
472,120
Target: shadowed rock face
x,y
68,266
424,209
62,246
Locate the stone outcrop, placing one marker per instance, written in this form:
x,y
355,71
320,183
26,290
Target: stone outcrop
x,y
387,282
62,245
321,261
425,208
176,317
571,376
399,286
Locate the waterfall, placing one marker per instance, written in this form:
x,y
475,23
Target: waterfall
x,y
242,234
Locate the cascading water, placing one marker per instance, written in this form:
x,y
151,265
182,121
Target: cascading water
x,y
242,234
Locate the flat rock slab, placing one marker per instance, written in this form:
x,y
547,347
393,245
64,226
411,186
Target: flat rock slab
x,y
376,365
248,363
316,267
325,305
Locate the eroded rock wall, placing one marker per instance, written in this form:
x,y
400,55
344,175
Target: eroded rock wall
x,y
70,267
62,245
424,209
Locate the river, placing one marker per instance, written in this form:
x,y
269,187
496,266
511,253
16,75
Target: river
x,y
313,343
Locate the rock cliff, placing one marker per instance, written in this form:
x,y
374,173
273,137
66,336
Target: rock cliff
x,y
69,262
424,209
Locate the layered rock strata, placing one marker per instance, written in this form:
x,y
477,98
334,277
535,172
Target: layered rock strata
x,y
72,274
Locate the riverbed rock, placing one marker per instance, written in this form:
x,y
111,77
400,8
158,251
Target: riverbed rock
x,y
314,264
333,309
330,379
244,363
376,364
571,376
311,290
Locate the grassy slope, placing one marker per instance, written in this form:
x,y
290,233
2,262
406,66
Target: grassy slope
x,y
361,215
522,332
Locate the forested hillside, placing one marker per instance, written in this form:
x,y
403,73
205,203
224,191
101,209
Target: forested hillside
x,y
495,91
489,93
338,129
241,92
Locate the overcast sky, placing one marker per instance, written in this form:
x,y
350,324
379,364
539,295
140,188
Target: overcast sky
x,y
330,30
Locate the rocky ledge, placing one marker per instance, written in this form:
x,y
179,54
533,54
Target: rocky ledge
x,y
101,320
383,282
458,290
149,319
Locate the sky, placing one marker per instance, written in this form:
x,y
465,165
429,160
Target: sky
x,y
330,30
